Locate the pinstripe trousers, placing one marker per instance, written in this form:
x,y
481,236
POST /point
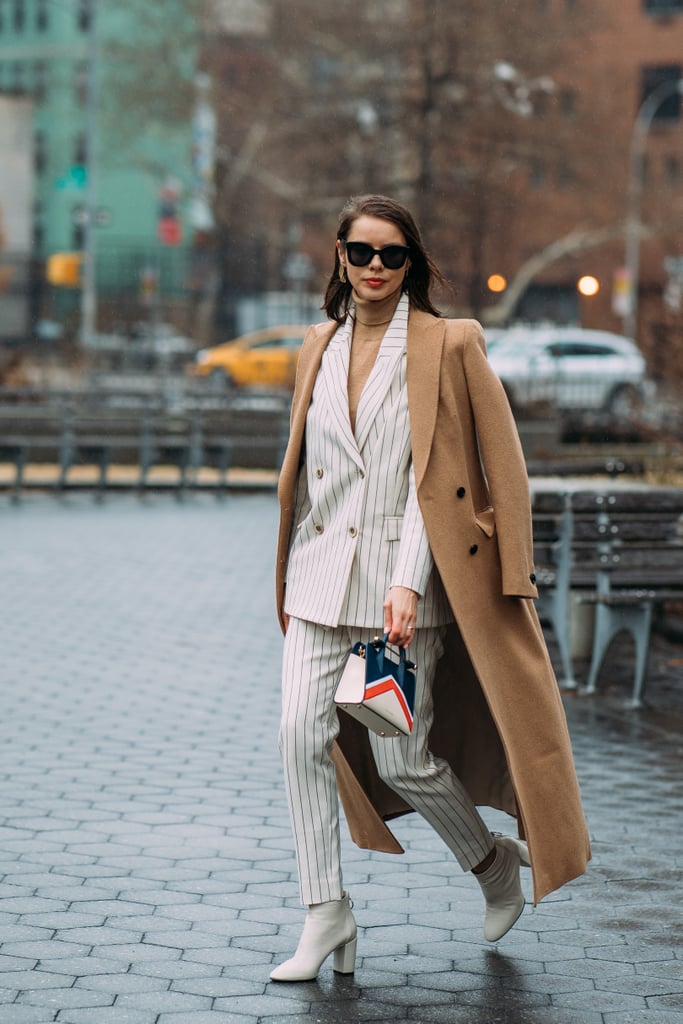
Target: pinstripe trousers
x,y
313,660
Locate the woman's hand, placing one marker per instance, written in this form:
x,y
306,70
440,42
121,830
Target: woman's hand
x,y
400,615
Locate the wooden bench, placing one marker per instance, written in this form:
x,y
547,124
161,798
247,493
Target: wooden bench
x,y
96,434
619,550
105,429
632,542
240,433
32,431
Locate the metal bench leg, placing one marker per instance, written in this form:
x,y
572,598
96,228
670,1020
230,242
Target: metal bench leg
x,y
66,461
182,477
641,636
602,637
224,462
102,477
610,620
19,467
561,629
554,607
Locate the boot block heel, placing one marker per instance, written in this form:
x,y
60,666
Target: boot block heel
x,y
344,960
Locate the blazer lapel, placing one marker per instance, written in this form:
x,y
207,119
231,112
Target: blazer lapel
x,y
334,373
383,372
424,346
309,364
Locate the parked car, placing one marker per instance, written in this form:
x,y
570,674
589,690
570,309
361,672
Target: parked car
x,y
570,368
262,358
142,345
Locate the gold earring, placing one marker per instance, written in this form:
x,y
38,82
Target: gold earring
x,y
342,273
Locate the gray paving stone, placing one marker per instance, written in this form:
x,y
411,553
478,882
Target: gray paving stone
x,y
64,999
649,1016
164,1001
218,986
38,950
107,1015
210,1017
602,1001
16,1014
21,980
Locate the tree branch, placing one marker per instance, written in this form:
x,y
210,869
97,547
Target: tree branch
x,y
578,240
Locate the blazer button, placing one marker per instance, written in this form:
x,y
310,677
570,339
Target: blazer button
x,y
533,577
461,492
319,473
474,549
352,531
318,527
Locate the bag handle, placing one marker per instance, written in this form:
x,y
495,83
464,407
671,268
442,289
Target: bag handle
x,y
380,643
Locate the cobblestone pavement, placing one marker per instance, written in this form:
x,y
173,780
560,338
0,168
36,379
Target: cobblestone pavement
x,y
146,870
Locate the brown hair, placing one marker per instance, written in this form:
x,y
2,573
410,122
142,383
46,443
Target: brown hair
x,y
422,272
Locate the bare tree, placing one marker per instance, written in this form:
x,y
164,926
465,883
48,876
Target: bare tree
x,y
450,107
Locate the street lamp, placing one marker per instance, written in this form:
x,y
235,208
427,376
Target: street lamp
x,y
644,118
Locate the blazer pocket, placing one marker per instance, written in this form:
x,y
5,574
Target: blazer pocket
x,y
486,521
392,528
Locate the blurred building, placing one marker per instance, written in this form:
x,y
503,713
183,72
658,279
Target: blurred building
x,y
48,52
600,84
16,214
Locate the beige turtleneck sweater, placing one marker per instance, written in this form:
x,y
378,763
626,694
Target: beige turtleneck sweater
x,y
370,325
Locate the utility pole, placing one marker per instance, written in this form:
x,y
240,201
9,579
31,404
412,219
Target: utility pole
x,y
88,276
643,121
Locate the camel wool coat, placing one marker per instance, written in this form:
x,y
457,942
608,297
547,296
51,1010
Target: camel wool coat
x,y
498,715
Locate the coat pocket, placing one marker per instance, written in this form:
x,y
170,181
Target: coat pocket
x,y
486,521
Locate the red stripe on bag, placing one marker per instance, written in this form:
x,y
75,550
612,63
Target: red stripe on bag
x,y
388,685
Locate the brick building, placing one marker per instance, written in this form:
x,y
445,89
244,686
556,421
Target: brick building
x,y
634,50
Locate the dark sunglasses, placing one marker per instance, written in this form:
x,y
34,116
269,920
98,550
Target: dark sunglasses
x,y
359,254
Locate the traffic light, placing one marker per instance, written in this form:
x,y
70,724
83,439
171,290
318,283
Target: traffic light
x,y
64,269
169,225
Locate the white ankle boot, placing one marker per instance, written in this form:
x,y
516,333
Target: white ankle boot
x,y
329,928
501,887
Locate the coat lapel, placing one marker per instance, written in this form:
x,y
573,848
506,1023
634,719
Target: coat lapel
x,y
424,346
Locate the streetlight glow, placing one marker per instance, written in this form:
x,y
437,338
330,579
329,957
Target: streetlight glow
x,y
588,285
497,283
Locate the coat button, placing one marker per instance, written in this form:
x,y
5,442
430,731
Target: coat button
x,y
532,577
461,492
319,473
318,527
352,531
474,549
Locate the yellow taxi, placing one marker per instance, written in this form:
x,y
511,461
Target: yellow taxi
x,y
265,358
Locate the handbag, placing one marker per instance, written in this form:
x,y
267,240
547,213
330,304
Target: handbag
x,y
377,690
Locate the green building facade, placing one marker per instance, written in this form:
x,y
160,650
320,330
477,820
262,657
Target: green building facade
x,y
141,161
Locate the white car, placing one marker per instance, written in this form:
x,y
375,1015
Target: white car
x,y
570,368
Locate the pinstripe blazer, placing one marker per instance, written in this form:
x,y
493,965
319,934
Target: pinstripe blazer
x,y
358,529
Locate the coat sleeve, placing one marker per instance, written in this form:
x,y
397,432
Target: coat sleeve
x,y
504,466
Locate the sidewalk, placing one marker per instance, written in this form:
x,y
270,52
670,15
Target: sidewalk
x,y
146,864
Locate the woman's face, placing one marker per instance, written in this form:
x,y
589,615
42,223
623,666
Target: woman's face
x,y
373,282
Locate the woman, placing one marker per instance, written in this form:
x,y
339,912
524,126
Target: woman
x,y
404,503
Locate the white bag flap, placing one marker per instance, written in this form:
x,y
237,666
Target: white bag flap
x,y
351,686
